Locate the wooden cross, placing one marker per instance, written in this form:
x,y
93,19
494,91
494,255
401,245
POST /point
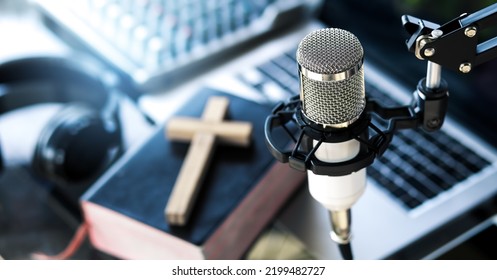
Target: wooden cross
x,y
203,134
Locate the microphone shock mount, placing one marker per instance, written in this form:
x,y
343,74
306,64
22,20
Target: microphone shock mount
x,y
427,110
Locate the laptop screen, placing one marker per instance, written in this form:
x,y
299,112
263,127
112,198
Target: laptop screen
x,y
377,24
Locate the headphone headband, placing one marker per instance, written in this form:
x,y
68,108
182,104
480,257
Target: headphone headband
x,y
34,80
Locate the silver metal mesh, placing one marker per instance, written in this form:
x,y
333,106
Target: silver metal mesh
x,y
329,51
335,103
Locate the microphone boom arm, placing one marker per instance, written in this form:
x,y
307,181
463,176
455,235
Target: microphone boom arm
x,y
455,44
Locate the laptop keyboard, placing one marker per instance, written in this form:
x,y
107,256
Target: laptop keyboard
x,y
417,166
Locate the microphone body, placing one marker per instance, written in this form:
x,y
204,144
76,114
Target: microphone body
x,y
337,193
332,93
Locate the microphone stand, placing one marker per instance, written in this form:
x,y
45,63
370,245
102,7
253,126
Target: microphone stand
x,y
428,41
426,110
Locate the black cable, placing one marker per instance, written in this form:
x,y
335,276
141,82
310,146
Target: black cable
x,y
346,251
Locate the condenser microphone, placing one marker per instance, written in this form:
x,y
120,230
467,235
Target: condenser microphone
x,y
332,93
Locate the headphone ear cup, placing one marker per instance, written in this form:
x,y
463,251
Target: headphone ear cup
x,y
74,146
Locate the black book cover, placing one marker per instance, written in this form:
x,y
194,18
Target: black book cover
x,y
140,184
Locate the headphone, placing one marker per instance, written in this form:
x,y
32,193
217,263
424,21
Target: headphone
x,y
81,140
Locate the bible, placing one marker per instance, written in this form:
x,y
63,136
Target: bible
x,y
242,193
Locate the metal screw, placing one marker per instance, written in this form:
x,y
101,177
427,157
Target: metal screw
x,y
465,67
470,32
429,52
437,33
433,123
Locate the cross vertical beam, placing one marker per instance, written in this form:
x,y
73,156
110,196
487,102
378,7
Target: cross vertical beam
x,y
203,134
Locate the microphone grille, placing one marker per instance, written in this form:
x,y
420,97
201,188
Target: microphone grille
x,y
332,77
330,51
335,104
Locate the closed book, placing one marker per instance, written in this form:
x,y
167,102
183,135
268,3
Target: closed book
x,y
242,192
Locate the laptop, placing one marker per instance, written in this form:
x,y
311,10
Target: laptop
x,y
428,189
